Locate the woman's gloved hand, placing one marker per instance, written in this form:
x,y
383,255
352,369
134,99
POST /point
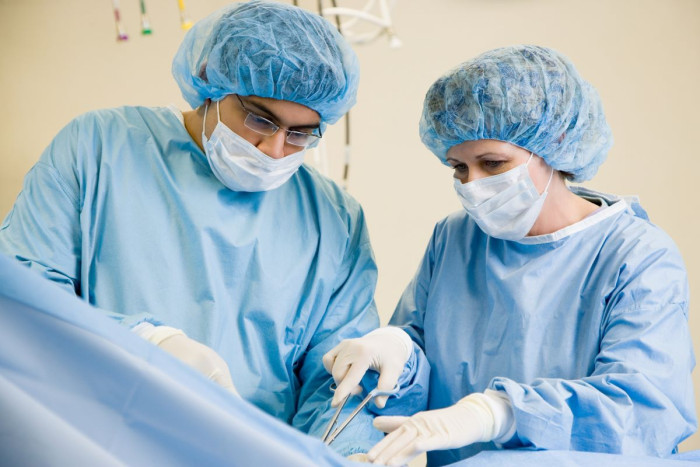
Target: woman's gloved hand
x,y
384,350
358,457
195,354
475,418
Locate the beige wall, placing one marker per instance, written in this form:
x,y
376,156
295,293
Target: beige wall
x,y
58,59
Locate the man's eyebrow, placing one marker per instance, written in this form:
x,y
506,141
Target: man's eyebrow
x,y
271,116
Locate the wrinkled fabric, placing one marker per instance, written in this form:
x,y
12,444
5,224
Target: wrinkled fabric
x,y
526,458
586,331
268,49
123,209
526,95
78,389
144,407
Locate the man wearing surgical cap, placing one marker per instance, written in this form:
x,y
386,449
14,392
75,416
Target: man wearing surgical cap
x,y
552,316
203,231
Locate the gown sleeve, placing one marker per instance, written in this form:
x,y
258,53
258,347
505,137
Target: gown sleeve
x,y
43,228
410,311
639,396
350,313
409,315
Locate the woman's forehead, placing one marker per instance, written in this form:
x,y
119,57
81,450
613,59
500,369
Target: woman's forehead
x,y
484,147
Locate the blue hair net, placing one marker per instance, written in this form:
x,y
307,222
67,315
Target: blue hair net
x,y
529,96
270,50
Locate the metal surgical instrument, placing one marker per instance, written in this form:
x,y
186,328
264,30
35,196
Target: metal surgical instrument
x,y
328,437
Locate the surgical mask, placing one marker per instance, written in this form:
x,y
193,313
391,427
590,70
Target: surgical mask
x,y
505,205
241,166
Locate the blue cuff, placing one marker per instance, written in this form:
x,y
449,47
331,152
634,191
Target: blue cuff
x,y
413,393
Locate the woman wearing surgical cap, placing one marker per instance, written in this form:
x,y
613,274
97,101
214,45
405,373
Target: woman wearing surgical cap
x,y
553,317
203,231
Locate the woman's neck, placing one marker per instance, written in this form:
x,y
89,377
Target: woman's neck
x,y
561,209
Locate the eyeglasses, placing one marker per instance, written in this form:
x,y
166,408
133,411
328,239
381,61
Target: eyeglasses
x,y
265,127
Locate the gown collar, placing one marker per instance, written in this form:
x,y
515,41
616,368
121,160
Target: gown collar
x,y
611,206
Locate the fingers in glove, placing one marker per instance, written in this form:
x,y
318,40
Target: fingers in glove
x,y
388,378
404,456
341,367
421,442
358,457
394,443
387,424
330,356
350,383
223,378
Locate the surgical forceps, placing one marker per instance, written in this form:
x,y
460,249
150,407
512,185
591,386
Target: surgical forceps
x,y
328,437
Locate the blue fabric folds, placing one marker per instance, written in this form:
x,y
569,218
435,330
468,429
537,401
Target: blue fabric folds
x,y
76,388
124,210
526,458
585,330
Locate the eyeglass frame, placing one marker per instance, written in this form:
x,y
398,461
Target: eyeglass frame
x,y
277,127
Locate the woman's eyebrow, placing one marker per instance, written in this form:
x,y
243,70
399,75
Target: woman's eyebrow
x,y
478,156
490,153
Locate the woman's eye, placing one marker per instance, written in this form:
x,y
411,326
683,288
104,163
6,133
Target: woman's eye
x,y
493,164
460,167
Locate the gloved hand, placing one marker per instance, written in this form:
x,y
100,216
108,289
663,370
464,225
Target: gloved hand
x,y
475,418
385,350
358,457
195,354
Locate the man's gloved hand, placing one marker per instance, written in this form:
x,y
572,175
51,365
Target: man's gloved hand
x,y
384,350
195,354
475,418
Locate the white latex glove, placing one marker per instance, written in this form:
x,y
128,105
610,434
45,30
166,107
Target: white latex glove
x,y
384,350
358,457
195,354
475,418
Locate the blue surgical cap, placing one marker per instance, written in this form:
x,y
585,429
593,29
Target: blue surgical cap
x,y
529,96
272,50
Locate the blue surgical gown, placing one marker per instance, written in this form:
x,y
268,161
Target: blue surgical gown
x,y
123,209
585,330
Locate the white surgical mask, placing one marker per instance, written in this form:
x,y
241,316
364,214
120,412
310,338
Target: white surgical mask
x,y
505,205
241,166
